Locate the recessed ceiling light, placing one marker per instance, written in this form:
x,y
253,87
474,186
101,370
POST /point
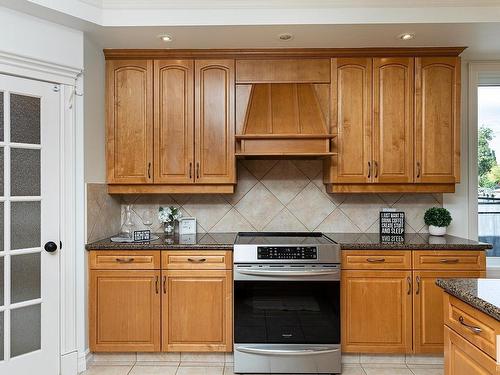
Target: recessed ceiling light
x,y
285,36
165,37
407,36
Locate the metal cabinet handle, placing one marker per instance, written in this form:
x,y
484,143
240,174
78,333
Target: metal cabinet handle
x,y
164,284
125,260
418,285
474,329
309,351
375,260
375,167
200,260
197,169
408,280
149,170
450,261
190,169
369,169
157,284
418,169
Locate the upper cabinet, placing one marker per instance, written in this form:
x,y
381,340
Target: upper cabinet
x,y
129,121
437,120
397,123
214,121
170,126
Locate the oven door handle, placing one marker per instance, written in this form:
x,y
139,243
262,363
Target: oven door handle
x,y
287,273
308,351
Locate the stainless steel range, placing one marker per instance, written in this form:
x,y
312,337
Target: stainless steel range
x,y
286,303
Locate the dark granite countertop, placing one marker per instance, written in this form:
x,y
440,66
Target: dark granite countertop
x,y
347,241
482,294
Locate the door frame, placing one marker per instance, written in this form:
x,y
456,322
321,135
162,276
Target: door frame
x,y
72,214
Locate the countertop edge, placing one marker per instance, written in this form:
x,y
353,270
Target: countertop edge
x,y
475,302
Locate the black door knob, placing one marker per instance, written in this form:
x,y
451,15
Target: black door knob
x,y
50,247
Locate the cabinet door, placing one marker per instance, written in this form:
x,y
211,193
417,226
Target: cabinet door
x,y
129,128
351,120
393,96
197,311
173,121
463,358
428,308
214,121
124,311
376,311
437,126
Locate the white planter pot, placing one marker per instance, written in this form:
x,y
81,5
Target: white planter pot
x,y
437,231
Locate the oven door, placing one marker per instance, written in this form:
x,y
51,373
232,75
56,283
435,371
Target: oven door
x,y
287,318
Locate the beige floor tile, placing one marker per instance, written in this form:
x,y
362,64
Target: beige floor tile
x,y
107,370
352,369
203,357
350,358
205,370
386,370
372,359
229,370
124,358
201,364
427,370
159,357
419,359
229,358
153,370
157,363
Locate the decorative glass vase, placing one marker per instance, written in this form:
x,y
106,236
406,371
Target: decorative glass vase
x,y
169,228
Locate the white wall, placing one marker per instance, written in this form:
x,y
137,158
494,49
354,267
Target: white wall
x,y
94,111
32,37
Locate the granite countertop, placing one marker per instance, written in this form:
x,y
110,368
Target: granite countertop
x,y
347,241
483,294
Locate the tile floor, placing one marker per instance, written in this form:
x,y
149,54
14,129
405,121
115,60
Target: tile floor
x,y
218,364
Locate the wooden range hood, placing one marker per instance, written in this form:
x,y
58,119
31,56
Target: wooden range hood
x,y
282,115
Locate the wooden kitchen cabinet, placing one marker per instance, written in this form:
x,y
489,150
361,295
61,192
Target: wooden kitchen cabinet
x,y
428,308
197,311
214,121
351,96
174,121
129,130
376,311
197,301
124,310
437,120
393,120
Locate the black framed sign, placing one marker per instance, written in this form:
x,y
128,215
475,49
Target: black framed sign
x,y
392,226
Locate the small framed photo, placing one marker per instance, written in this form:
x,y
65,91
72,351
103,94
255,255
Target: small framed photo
x,y
392,226
142,235
187,225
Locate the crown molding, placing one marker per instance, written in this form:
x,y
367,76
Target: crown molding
x,y
266,53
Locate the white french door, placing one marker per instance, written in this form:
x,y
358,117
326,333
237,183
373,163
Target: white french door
x,y
29,227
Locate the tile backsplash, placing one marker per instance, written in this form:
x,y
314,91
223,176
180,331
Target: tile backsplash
x,y
272,195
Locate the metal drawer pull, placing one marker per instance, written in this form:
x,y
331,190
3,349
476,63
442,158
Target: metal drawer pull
x,y
156,284
375,260
456,260
418,285
197,260
474,329
286,273
408,280
287,352
164,284
124,260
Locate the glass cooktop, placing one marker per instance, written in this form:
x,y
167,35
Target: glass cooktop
x,y
282,238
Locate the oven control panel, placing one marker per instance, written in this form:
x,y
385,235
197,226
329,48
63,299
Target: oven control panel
x,y
287,252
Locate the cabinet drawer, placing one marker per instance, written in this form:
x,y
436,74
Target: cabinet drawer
x,y
453,259
124,260
376,259
471,324
197,260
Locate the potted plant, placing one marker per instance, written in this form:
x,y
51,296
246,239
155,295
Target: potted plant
x,y
437,218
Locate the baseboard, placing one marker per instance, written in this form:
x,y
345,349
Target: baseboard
x,y
84,360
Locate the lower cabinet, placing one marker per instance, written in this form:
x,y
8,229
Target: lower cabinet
x,y
390,304
137,304
197,310
124,310
463,358
376,311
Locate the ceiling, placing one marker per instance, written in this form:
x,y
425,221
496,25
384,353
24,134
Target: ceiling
x,y
313,23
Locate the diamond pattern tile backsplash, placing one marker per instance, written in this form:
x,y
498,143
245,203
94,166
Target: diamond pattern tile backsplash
x,y
280,195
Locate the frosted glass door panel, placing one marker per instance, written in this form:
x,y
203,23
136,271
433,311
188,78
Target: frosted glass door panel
x,y
29,218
